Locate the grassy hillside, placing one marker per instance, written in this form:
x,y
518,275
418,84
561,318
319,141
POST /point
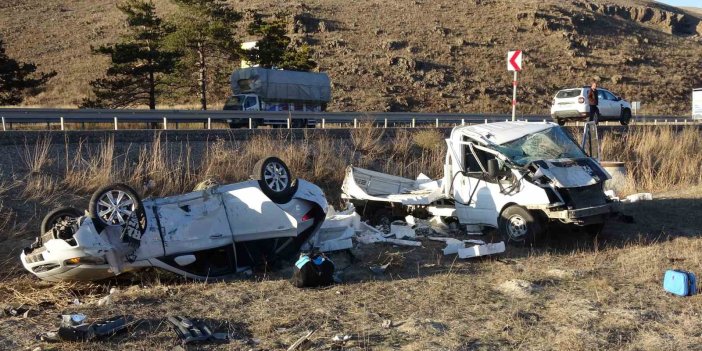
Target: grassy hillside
x,y
416,55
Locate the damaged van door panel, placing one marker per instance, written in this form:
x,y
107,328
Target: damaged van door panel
x,y
517,174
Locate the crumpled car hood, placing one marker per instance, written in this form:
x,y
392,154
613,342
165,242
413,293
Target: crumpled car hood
x,y
571,173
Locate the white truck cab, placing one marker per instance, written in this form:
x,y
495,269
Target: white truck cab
x,y
513,176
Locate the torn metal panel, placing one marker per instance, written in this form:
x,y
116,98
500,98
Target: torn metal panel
x,y
482,250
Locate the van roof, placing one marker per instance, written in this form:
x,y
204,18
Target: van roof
x,y
502,132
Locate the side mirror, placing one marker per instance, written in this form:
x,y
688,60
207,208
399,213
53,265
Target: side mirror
x,y
493,168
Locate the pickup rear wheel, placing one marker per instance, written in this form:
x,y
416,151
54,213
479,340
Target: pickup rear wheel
x,y
520,227
275,180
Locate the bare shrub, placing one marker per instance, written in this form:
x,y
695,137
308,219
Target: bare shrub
x,y
36,158
428,139
367,142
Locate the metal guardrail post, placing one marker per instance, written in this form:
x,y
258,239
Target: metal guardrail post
x,y
385,123
289,120
437,123
355,122
463,121
115,120
323,123
413,122
209,123
3,125
165,123
250,123
486,121
62,124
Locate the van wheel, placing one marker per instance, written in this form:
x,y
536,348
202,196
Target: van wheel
x,y
626,117
275,180
520,227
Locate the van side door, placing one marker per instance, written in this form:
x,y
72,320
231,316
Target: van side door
x,y
474,200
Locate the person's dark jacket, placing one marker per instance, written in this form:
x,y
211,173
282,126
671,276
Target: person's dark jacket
x,y
592,97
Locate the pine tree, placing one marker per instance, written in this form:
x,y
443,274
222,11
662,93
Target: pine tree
x,y
204,34
138,64
274,48
18,79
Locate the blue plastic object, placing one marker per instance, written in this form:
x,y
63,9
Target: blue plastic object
x,y
680,283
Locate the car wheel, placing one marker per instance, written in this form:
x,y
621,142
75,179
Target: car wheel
x,y
519,227
114,204
275,180
626,117
58,215
560,121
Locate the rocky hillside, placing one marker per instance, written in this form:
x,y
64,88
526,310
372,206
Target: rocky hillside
x,y
419,55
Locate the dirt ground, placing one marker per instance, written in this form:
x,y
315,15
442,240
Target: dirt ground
x,y
572,292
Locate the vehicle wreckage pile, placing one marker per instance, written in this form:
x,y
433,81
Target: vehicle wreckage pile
x,y
516,177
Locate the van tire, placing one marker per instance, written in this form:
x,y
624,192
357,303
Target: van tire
x,y
520,227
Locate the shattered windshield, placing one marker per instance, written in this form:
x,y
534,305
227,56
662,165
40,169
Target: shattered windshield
x,y
549,144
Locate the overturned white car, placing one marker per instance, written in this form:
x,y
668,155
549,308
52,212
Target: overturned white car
x,y
209,233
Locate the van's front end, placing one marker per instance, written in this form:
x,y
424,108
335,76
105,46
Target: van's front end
x,y
572,181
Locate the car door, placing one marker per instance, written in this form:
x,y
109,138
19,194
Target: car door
x,y
615,105
192,222
603,104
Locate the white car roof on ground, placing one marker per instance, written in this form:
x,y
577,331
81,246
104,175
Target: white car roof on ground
x,y
502,132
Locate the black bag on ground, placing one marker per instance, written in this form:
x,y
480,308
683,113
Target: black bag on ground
x,y
313,270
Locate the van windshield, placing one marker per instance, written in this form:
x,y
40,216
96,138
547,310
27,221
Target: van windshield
x,y
549,144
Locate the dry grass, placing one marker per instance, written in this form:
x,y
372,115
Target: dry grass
x,y
657,159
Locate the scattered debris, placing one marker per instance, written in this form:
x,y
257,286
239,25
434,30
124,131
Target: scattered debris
x,y
21,310
380,269
680,283
301,340
638,197
74,328
482,250
387,324
402,230
194,330
341,338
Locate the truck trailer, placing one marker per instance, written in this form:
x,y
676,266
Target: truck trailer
x,y
263,89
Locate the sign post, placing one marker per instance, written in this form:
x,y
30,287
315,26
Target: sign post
x,y
514,63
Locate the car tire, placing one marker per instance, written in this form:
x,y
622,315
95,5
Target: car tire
x,y
59,214
114,204
626,117
520,227
560,121
275,180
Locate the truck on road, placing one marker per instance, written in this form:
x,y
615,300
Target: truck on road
x,y
514,176
263,89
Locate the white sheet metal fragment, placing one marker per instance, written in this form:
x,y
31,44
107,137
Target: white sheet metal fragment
x,y
482,250
402,230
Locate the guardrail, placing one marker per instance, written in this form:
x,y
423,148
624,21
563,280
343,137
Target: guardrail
x,y
10,116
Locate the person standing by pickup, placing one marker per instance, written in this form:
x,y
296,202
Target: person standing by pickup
x,y
593,100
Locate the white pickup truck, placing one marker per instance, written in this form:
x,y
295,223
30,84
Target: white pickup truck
x,y
513,176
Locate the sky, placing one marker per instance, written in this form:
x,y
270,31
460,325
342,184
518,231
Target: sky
x,y
683,3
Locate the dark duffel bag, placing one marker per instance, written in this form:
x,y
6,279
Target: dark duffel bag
x,y
313,270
